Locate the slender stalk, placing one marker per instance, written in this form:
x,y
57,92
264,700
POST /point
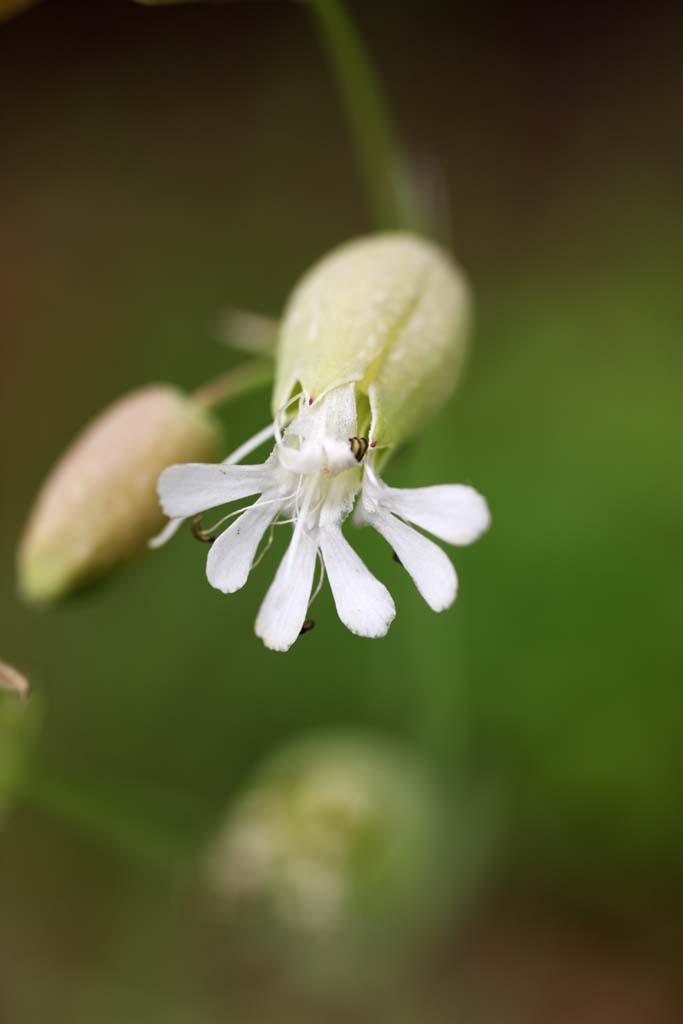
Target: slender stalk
x,y
100,817
244,379
391,190
248,332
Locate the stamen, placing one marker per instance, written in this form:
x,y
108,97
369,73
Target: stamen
x,y
307,626
239,511
396,558
297,494
249,446
320,582
285,522
359,446
200,534
265,549
319,504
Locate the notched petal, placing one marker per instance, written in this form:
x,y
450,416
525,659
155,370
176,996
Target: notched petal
x,y
232,553
430,568
284,608
454,513
185,490
363,604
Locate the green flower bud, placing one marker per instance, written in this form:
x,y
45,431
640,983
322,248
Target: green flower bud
x,y
338,838
389,312
99,506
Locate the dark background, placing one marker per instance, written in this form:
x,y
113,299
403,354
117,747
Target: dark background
x,y
159,166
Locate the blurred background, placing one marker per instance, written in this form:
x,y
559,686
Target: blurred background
x,y
160,166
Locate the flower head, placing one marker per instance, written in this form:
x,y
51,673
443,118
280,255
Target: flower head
x,y
373,338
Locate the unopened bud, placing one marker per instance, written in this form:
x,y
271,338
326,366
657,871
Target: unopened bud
x,y
98,506
389,312
338,837
11,679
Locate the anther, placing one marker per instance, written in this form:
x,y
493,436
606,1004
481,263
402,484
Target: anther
x,y
396,558
359,446
200,534
307,626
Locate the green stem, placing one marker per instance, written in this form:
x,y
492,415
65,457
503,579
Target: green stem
x,y
392,193
107,819
246,378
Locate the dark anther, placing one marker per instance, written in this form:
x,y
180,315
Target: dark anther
x,y
200,534
396,558
307,626
359,446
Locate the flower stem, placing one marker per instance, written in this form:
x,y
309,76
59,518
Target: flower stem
x,y
248,332
391,189
106,817
246,378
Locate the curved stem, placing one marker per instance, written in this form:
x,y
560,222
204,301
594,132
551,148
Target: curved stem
x,y
101,818
392,192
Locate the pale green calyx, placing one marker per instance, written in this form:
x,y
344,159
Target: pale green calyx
x,y
389,312
98,506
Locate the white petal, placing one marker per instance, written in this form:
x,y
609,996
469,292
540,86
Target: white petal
x,y
340,413
363,603
169,530
429,566
194,487
338,503
231,554
452,512
339,457
307,459
284,608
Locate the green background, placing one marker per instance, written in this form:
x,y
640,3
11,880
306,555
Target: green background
x,y
160,166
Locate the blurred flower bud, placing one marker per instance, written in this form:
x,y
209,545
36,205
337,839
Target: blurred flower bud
x,y
389,312
98,505
11,679
338,838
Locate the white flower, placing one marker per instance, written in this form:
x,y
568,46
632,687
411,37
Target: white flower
x,y
311,480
